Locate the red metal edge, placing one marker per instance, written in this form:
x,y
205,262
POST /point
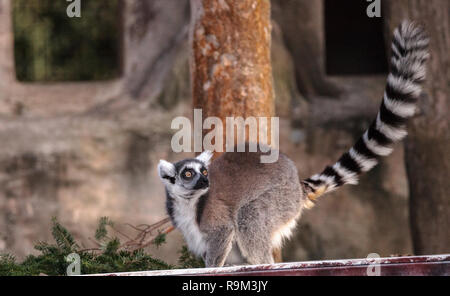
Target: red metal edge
x,y
432,265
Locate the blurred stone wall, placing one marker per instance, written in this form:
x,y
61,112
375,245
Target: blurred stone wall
x,y
79,151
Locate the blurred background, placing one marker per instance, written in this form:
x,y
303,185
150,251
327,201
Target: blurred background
x,y
86,105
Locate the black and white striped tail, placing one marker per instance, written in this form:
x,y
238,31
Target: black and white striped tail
x,y
409,53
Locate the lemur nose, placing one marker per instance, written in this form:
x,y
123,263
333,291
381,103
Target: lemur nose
x,y
203,182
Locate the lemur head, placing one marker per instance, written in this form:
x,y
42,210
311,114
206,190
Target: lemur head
x,y
187,178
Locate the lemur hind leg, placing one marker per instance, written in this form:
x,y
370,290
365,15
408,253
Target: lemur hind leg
x,y
219,241
253,235
260,223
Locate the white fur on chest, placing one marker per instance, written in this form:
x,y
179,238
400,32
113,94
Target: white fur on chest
x,y
184,214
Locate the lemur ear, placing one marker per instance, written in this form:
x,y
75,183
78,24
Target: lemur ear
x,y
205,157
166,170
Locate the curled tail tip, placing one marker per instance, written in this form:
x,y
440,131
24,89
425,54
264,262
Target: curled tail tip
x,y
407,72
413,30
411,36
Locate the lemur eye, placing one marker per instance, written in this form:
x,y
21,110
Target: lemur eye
x,y
205,173
187,174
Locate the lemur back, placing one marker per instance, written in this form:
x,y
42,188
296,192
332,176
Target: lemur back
x,y
239,200
253,204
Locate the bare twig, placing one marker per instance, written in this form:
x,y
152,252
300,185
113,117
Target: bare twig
x,y
146,235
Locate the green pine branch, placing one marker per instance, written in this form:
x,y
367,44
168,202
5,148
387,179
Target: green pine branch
x,y
111,257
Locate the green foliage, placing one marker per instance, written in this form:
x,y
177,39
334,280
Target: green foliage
x,y
50,46
160,239
64,240
52,259
101,231
188,260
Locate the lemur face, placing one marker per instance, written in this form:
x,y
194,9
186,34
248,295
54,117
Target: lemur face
x,y
187,178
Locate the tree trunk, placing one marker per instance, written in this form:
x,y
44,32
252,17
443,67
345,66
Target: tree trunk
x,y
231,69
428,144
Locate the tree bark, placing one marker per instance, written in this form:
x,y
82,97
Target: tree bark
x,y
427,147
231,68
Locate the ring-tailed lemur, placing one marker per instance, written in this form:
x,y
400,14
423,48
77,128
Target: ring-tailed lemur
x,y
238,200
